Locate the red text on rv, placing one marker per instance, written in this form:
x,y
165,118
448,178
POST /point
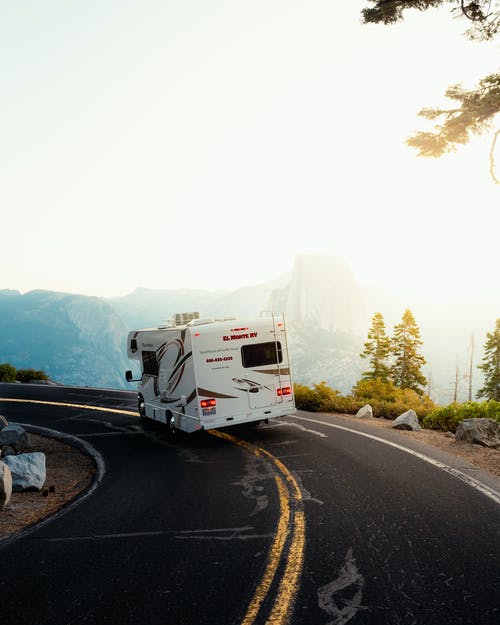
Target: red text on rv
x,y
234,337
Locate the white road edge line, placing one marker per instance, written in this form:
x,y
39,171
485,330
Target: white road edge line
x,y
470,481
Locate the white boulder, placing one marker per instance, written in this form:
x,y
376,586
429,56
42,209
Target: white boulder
x,y
28,471
407,421
365,411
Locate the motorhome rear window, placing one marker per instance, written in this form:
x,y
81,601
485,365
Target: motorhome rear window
x,y
149,363
261,354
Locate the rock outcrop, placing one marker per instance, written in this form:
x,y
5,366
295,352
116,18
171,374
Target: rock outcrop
x,y
485,432
323,290
14,436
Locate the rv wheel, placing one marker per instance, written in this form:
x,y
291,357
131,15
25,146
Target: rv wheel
x,y
171,429
141,407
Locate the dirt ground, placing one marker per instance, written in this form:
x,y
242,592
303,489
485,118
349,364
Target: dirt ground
x,y
69,472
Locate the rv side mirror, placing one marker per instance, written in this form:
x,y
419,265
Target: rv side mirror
x,y
128,376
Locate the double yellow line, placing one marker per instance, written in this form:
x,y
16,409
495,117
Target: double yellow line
x,y
288,544
287,548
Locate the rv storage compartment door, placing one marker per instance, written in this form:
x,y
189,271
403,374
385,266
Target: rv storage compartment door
x,y
255,356
262,396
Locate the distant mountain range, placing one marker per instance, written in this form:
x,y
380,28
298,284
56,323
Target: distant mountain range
x,y
80,340
75,339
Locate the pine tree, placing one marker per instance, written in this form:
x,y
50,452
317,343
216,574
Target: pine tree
x,y
491,365
406,370
476,109
473,113
377,349
483,17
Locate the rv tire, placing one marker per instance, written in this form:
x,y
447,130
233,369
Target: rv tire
x,y
170,421
141,407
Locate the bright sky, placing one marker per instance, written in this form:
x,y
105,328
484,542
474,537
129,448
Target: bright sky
x,y
201,144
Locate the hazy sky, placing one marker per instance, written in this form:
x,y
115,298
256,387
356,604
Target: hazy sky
x,y
204,144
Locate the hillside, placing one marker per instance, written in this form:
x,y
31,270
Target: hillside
x,y
77,340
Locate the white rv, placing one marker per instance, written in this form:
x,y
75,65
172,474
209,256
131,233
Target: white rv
x,y
209,373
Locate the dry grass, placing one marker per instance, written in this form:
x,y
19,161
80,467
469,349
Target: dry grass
x,y
69,472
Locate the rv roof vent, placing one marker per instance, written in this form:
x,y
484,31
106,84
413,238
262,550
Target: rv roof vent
x,y
165,325
201,322
182,319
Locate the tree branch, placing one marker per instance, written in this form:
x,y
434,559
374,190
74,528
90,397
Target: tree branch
x,y
492,157
472,11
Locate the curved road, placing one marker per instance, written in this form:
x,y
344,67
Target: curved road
x,y
301,521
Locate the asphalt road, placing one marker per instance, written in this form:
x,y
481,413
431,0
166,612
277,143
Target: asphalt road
x,y
184,532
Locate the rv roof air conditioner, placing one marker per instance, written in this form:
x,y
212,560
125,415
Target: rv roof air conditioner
x,y
182,319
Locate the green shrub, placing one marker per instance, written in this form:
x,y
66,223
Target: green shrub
x,y
305,398
346,404
389,401
448,418
320,398
25,375
7,373
377,389
409,399
326,396
385,399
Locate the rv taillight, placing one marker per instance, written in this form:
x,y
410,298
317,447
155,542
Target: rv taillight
x,y
286,390
208,403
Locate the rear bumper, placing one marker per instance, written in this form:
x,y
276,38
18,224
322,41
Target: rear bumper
x,y
220,421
